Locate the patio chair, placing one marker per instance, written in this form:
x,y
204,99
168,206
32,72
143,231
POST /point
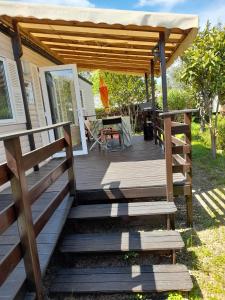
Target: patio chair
x,y
98,139
109,131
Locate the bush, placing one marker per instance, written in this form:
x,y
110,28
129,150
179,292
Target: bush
x,y
178,99
204,137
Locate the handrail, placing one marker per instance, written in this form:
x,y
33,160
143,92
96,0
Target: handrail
x,y
32,131
14,171
181,111
177,151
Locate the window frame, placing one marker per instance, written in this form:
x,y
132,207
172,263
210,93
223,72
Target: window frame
x,y
11,98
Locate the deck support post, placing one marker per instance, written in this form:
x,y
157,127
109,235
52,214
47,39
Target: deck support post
x,y
18,52
152,70
162,56
169,157
146,87
22,201
69,156
188,158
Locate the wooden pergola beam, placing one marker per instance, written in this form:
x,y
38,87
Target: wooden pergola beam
x,y
127,45
109,63
126,51
90,25
108,58
122,37
103,55
106,67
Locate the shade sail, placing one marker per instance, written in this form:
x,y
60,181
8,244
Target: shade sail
x,y
116,40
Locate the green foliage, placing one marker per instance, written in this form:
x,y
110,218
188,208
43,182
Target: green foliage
x,y
123,89
175,296
179,99
125,92
100,112
140,296
204,70
130,257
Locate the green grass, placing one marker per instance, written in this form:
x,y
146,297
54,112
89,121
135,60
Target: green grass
x,y
202,156
205,243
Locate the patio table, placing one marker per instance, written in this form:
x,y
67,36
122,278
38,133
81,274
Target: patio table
x,y
123,126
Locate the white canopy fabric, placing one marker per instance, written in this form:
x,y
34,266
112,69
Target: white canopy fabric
x,y
102,38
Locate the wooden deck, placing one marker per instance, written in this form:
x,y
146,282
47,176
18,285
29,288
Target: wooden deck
x,y
138,171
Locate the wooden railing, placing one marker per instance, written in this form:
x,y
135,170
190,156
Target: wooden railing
x,y
177,151
20,210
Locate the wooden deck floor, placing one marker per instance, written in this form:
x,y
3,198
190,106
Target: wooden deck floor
x,y
140,166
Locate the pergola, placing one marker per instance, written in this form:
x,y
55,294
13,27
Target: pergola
x,y
113,40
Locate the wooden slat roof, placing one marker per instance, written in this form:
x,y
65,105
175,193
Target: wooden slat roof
x,y
111,40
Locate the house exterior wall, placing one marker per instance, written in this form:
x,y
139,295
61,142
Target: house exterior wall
x,y
88,99
31,61
19,123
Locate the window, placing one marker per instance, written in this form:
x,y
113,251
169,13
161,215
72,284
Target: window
x,y
6,112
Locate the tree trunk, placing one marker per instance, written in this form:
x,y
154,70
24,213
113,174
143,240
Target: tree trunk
x,y
213,143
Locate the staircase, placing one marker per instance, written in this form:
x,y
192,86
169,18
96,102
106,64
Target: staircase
x,y
125,279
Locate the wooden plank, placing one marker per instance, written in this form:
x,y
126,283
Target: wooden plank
x,y
127,279
181,111
188,157
180,160
115,210
89,25
178,128
99,35
40,222
9,262
40,187
168,157
124,241
181,149
124,45
103,50
120,55
4,174
41,154
69,156
7,217
23,210
31,131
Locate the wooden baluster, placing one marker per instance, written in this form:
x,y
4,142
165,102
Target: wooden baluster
x,y
69,156
169,164
188,157
25,224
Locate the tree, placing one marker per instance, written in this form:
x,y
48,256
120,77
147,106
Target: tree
x,y
204,70
125,92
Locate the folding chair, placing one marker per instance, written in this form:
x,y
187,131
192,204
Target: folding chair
x,y
97,138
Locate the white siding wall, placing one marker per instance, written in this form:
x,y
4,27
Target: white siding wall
x,y
88,98
34,61
19,124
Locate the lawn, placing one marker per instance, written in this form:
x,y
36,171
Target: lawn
x,y
205,243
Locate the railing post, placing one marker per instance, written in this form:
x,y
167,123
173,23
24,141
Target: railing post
x,y
169,164
188,158
69,156
25,224
168,157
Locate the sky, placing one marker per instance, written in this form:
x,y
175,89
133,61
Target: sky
x,y
212,10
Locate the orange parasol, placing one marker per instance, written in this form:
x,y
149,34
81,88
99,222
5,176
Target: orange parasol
x,y
104,94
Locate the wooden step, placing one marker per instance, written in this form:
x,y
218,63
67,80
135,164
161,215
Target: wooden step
x,y
115,210
125,241
155,278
